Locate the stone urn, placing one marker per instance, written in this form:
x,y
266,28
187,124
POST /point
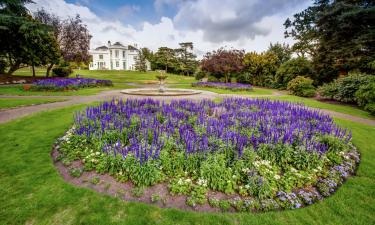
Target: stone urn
x,y
161,78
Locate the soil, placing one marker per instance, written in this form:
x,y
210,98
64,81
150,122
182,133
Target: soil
x,y
4,80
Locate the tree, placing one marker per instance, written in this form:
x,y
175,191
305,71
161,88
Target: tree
x,y
282,51
260,68
223,63
56,25
75,40
165,58
186,58
24,41
339,35
141,61
291,69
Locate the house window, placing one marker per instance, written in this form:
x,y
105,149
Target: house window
x,y
116,53
117,64
123,54
124,65
100,56
111,52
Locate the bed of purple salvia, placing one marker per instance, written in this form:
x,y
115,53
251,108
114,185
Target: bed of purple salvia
x,y
221,85
60,84
271,154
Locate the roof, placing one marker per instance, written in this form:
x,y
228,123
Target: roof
x,y
102,48
130,47
118,44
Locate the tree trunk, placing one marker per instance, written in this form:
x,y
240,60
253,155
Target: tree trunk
x,y
166,68
13,68
33,70
226,78
49,69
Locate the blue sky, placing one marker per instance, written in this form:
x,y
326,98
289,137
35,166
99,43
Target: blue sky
x,y
132,11
210,24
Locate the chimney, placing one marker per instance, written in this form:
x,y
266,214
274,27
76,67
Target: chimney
x,y
109,43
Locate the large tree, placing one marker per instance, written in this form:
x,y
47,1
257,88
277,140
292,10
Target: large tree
x,y
223,62
71,35
56,25
24,41
339,35
186,58
165,58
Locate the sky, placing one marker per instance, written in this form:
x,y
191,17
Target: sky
x,y
210,24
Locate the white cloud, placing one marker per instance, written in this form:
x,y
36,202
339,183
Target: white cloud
x,y
195,21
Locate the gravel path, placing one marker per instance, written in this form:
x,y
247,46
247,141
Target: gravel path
x,y
15,113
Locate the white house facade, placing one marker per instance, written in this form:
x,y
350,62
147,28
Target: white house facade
x,y
115,57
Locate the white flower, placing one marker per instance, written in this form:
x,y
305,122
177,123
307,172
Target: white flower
x,y
276,177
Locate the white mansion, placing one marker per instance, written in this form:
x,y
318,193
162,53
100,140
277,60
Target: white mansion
x,y
115,57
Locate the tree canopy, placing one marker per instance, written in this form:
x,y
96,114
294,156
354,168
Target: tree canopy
x,y
338,35
223,62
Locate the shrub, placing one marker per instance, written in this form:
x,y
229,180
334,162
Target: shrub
x,y
199,74
301,86
212,79
328,90
62,71
291,69
348,86
344,89
365,96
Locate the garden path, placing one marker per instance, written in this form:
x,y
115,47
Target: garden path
x,y
15,113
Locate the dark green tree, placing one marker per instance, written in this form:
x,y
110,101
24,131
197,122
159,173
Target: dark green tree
x,y
186,58
339,35
165,58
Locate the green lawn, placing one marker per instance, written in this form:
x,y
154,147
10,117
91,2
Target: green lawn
x,y
6,103
18,90
255,91
33,192
117,76
351,110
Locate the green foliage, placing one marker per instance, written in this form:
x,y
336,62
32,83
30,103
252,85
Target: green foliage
x,y
291,69
282,51
180,185
345,88
218,175
328,31
75,172
138,191
62,71
328,90
365,95
95,180
301,86
224,205
155,198
260,69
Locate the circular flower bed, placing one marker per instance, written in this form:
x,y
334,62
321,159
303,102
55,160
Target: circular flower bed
x,y
259,154
63,84
228,86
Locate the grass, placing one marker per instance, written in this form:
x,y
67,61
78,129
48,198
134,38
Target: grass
x,y
18,90
341,108
33,192
6,103
255,91
117,76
